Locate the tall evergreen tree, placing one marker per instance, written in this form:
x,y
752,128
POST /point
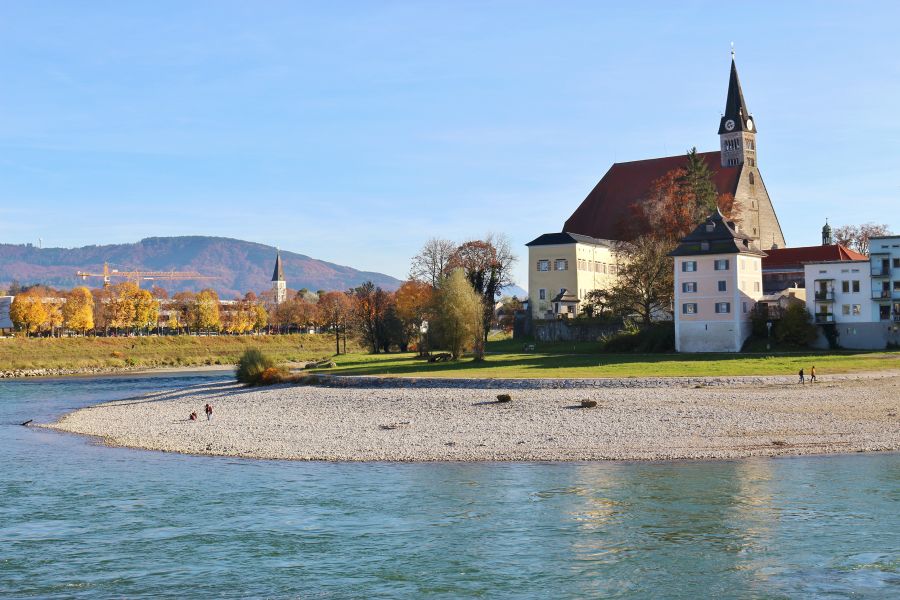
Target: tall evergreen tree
x,y
698,179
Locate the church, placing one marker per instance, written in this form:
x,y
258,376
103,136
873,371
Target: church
x,y
585,248
735,171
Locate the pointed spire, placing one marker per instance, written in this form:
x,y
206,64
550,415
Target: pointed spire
x,y
737,115
278,273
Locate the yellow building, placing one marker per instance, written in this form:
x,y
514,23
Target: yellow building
x,y
567,265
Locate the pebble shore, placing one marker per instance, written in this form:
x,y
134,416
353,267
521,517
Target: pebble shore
x,y
635,419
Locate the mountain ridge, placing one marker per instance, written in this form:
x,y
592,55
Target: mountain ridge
x,y
238,265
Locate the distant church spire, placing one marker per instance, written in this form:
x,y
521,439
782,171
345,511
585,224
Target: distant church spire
x,y
279,285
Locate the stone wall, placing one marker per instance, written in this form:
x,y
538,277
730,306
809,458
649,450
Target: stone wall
x,y
566,330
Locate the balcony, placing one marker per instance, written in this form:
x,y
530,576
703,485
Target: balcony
x,y
822,318
881,267
825,296
881,294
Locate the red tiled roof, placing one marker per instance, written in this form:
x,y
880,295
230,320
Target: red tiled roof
x,y
608,206
785,258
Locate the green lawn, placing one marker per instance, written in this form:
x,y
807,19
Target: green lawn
x,y
577,363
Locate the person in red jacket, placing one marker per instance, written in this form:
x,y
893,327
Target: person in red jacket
x,y
208,409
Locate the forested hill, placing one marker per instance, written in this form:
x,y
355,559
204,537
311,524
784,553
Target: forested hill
x,y
238,265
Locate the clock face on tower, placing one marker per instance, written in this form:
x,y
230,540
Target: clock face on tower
x,y
749,124
729,124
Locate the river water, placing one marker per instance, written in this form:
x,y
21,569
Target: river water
x,y
81,520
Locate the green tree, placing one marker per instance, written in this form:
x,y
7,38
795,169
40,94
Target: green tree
x,y
796,327
460,312
698,179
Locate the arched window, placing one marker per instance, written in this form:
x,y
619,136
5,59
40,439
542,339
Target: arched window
x,y
752,179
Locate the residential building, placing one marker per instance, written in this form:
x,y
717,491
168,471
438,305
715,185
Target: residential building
x,y
569,264
610,204
839,296
6,325
783,268
884,255
718,281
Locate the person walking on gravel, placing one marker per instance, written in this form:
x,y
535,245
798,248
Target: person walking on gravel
x,y
208,409
802,379
812,374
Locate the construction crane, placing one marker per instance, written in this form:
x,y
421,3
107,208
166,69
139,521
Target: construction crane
x,y
138,276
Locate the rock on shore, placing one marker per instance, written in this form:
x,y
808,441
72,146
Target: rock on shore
x,y
630,422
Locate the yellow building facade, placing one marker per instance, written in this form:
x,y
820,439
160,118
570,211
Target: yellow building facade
x,y
570,265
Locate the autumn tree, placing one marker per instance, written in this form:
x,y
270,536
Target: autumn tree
x,y
206,310
78,311
414,302
120,307
487,264
146,310
506,319
596,304
460,315
856,237
335,309
370,304
184,305
645,283
27,312
431,263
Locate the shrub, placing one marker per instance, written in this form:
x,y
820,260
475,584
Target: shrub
x,y
658,337
251,366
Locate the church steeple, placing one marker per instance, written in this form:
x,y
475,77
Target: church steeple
x,y
279,285
737,129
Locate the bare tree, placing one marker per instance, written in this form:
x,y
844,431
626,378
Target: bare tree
x,y
856,237
645,285
430,264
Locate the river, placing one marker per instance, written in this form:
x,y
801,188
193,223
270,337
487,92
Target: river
x,y
79,520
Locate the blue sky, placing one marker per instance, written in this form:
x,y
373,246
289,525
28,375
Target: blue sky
x,y
353,131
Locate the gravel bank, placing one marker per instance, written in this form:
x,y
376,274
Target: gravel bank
x,y
634,420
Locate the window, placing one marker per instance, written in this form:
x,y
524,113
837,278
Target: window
x,y
857,309
897,286
613,269
723,286
755,286
704,245
855,286
744,307
722,264
689,287
845,309
710,227
752,180
845,287
542,294
688,266
723,307
543,265
561,264
897,263
689,308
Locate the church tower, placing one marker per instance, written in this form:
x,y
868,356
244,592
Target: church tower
x,y
279,285
737,129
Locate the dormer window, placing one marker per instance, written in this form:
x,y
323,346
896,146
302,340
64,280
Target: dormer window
x,y
704,245
710,227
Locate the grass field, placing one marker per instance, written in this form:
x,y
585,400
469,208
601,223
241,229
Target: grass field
x,y
506,360
81,353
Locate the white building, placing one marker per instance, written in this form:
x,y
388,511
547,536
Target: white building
x,y
859,300
718,280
